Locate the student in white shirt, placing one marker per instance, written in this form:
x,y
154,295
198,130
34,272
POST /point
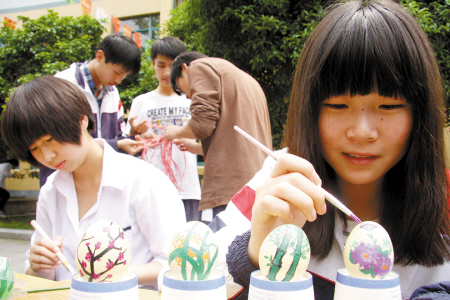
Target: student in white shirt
x,y
163,107
47,123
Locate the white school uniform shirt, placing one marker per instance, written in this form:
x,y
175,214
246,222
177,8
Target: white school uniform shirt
x,y
163,111
132,194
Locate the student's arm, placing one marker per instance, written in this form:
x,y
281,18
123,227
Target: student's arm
x,y
126,145
137,127
179,132
206,83
189,145
130,146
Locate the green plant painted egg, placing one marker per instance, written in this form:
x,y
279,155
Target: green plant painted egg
x,y
6,278
368,252
193,252
285,254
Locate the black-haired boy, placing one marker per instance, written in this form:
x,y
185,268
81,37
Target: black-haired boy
x,y
117,56
163,107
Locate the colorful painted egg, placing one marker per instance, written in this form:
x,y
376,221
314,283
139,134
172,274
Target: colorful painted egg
x,y
193,253
6,278
285,254
368,252
103,253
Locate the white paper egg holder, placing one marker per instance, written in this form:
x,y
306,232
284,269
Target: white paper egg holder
x,y
283,275
193,256
126,288
101,239
370,260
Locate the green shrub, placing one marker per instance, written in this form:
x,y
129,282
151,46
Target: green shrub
x,y
434,18
43,47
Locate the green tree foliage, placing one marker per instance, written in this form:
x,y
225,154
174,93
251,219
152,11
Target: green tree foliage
x,y
265,39
435,21
261,37
43,47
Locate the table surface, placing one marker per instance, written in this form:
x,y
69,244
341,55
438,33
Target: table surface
x,y
26,282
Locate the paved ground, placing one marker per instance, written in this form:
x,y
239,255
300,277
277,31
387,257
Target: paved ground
x,y
15,249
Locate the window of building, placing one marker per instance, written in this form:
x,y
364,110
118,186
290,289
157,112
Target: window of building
x,y
177,3
146,26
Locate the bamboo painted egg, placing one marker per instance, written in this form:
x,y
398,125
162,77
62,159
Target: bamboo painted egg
x,y
6,278
103,253
285,254
368,252
193,252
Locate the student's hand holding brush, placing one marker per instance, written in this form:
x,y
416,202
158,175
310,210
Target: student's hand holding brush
x,y
43,259
291,195
46,255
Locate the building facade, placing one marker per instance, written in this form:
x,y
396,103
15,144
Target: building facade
x,y
141,16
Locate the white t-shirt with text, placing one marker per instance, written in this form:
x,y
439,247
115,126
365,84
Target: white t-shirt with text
x,y
163,111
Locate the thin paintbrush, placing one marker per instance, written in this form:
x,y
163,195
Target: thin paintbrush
x,y
328,196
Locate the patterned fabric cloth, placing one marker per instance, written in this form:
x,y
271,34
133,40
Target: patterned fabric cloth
x,y
88,77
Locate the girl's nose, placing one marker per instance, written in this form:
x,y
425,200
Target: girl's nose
x,y
48,153
362,128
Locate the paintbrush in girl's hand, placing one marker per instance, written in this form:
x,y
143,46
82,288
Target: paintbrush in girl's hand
x,y
328,196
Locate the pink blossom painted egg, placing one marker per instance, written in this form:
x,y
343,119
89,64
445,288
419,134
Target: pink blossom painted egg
x,y
285,254
193,253
103,253
368,252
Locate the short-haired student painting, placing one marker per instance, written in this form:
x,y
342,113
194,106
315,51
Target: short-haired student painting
x,y
47,122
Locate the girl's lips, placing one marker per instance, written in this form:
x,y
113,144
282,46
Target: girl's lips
x,y
360,159
61,165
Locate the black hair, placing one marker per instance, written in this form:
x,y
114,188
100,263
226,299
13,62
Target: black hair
x,y
14,162
183,58
44,106
168,46
120,49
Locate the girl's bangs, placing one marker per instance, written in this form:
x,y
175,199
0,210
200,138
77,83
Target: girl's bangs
x,y
366,56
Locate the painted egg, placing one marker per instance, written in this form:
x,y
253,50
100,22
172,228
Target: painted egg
x,y
6,278
193,253
368,252
103,253
285,254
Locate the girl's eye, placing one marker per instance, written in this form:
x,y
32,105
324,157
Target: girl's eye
x,y
390,106
335,106
32,149
49,139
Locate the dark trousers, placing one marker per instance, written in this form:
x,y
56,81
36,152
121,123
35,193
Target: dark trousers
x,y
4,196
